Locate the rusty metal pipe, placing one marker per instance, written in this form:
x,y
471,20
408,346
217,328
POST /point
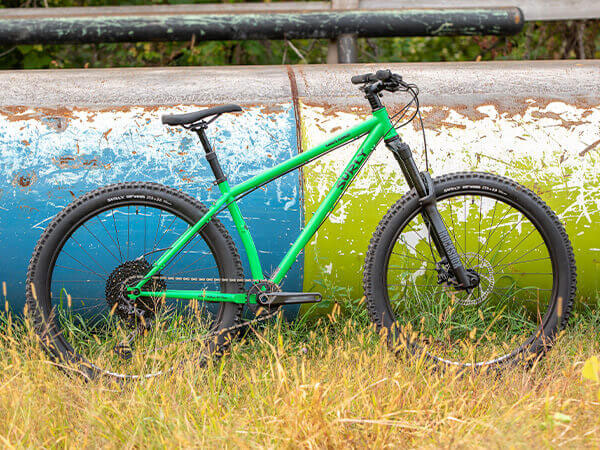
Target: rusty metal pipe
x,y
142,24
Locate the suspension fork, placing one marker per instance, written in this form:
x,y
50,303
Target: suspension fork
x,y
422,183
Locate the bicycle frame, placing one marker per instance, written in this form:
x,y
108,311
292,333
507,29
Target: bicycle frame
x,y
376,128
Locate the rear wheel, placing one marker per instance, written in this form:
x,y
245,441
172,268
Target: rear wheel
x,y
106,241
503,232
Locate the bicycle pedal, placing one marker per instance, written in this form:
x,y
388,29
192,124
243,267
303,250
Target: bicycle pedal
x,y
291,298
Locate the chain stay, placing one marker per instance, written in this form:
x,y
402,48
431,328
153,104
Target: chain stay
x,y
254,321
227,280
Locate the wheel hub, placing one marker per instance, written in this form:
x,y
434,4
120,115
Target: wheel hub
x,y
481,273
125,276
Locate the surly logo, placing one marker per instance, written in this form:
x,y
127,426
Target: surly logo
x,y
351,171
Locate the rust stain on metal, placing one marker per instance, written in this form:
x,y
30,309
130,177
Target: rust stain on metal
x,y
18,113
58,118
57,123
511,106
106,133
296,103
589,148
330,109
553,115
297,117
435,116
75,162
270,109
24,180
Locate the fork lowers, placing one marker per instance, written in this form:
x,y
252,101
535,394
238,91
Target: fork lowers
x,y
422,183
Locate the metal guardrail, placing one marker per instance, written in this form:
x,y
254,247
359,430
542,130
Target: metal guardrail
x,y
341,20
287,20
146,23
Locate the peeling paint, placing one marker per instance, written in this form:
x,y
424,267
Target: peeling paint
x,y
544,133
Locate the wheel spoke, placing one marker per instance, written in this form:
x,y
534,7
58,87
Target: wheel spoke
x,y
117,234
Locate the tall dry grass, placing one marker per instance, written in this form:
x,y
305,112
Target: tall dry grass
x,y
329,383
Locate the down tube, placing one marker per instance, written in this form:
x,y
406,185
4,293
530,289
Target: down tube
x,y
327,205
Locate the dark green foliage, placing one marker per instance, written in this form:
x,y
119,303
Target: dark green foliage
x,y
542,40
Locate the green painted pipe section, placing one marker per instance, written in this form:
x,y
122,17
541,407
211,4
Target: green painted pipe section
x,y
334,260
91,28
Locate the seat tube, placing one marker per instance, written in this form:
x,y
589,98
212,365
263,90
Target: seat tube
x,y
232,206
245,236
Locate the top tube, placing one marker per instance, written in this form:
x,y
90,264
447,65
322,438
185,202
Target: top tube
x,y
301,158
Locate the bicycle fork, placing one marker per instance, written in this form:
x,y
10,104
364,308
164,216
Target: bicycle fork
x,y
423,184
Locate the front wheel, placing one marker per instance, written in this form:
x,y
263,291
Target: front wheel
x,y
505,234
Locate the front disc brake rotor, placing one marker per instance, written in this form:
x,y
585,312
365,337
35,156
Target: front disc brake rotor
x,y
485,271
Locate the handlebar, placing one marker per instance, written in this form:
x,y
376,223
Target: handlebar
x,y
382,80
380,75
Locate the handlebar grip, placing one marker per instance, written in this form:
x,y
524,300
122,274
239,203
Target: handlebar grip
x,y
380,75
166,119
360,79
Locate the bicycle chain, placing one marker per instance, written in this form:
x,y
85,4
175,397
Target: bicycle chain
x,y
229,280
257,319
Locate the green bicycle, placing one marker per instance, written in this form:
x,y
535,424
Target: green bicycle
x,y
468,269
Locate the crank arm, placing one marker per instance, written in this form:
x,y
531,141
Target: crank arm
x,y
291,298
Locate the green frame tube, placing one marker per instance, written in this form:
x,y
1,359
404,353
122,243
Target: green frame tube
x,y
375,128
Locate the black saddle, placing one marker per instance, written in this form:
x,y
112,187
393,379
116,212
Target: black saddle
x,y
189,118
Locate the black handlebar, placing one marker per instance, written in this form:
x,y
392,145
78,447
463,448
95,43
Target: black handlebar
x,y
380,75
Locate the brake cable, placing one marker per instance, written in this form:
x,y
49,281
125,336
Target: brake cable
x,y
414,92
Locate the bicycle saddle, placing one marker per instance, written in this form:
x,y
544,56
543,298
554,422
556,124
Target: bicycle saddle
x,y
189,118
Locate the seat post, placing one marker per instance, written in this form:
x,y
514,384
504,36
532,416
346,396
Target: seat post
x,y
211,156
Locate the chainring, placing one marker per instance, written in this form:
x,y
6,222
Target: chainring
x,y
260,289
